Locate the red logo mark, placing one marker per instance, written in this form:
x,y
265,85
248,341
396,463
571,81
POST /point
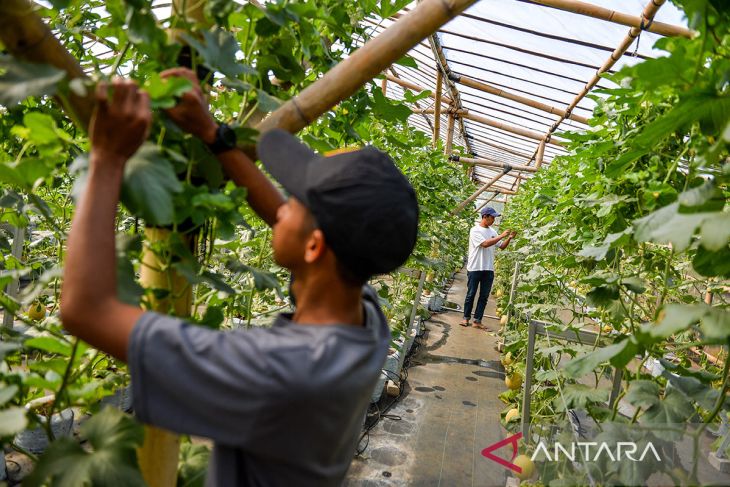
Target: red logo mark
x,y
487,452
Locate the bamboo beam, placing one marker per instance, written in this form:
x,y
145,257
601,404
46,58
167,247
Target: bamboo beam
x,y
597,12
449,135
478,85
432,111
394,73
503,148
28,38
482,189
486,202
503,190
417,88
490,163
437,110
503,201
364,64
530,134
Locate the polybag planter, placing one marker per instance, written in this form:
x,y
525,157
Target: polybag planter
x,y
36,440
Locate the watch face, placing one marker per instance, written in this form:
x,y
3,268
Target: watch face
x,y
227,136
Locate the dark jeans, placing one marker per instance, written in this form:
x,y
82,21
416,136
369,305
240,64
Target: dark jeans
x,y
483,280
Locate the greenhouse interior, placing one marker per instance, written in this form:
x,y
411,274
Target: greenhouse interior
x,y
393,242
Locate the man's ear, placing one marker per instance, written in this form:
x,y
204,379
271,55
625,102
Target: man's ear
x,y
315,248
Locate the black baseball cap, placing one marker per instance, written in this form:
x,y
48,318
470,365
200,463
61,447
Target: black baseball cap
x,y
363,204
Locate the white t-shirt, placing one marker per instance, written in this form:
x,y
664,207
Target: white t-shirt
x,y
480,258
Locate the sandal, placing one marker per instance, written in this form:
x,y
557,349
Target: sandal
x,y
478,326
464,323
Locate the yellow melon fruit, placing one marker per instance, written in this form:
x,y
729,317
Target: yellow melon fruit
x,y
36,311
527,466
511,414
513,381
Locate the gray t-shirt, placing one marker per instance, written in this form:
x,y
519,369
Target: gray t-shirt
x,y
284,405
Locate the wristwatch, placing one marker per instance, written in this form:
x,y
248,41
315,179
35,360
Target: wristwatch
x,y
225,139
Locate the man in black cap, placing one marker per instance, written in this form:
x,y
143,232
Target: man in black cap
x,y
284,405
480,264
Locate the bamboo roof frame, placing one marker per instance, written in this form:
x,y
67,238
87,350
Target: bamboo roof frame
x,y
485,128
493,136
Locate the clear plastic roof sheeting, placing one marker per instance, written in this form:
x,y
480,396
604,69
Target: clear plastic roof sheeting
x,y
530,50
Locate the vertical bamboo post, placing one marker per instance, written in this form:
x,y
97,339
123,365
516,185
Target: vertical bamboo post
x,y
384,86
158,455
449,135
540,154
437,109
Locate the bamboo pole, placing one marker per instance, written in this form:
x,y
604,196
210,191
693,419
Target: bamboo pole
x,y
479,191
504,190
384,86
493,198
540,154
530,134
449,135
486,202
503,148
28,38
432,111
442,65
437,109
394,73
648,14
478,85
158,455
376,55
491,163
416,88
590,10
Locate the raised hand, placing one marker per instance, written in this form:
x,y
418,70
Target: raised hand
x,y
121,120
191,114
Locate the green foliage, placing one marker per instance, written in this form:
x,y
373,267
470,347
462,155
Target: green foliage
x,y
110,460
628,233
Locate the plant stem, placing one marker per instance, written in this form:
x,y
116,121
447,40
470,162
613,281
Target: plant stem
x,y
62,389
